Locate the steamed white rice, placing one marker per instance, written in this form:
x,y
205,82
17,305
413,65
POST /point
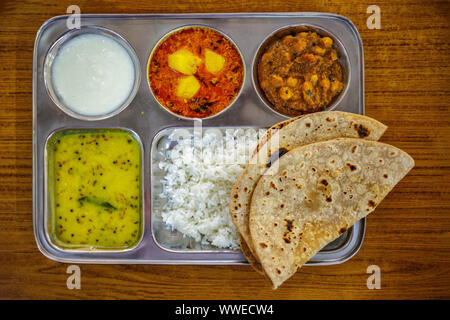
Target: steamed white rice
x,y
199,175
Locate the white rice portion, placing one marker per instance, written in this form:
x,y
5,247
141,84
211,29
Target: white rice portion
x,y
199,176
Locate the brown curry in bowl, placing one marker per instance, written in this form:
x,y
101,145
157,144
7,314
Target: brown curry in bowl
x,y
300,73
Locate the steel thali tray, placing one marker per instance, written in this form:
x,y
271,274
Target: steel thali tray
x,y
150,123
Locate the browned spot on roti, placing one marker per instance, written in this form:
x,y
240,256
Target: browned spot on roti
x,y
353,149
236,196
385,176
324,182
308,125
351,166
342,230
289,228
262,245
362,131
372,204
289,224
282,152
273,186
275,156
329,199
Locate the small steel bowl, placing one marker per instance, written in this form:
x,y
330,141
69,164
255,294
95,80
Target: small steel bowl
x,y
52,53
293,30
164,38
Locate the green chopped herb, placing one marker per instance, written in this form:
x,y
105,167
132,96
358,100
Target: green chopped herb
x,y
103,204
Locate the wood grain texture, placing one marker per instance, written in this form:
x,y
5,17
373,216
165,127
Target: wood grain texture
x,y
407,69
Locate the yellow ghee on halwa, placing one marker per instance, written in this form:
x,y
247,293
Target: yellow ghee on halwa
x,y
95,186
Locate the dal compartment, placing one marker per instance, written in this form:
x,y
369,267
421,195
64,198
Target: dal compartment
x,y
94,191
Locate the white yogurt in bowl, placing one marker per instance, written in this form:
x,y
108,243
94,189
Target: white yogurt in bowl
x,y
91,73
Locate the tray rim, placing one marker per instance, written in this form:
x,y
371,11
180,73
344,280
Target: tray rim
x,y
228,15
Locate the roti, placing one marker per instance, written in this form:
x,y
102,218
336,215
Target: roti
x,y
269,133
283,137
250,257
315,194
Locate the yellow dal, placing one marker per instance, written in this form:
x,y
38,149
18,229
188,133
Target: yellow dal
x,y
96,189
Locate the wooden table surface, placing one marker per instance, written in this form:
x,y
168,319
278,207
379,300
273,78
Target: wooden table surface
x,y
407,70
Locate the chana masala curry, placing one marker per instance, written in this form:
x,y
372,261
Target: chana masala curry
x,y
300,73
196,72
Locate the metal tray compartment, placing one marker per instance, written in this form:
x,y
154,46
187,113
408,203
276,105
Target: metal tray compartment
x,y
173,240
144,117
49,208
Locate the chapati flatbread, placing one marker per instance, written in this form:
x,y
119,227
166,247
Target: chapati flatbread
x,y
285,136
250,257
269,132
315,194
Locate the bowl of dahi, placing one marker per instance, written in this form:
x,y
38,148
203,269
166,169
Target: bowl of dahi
x,y
91,73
